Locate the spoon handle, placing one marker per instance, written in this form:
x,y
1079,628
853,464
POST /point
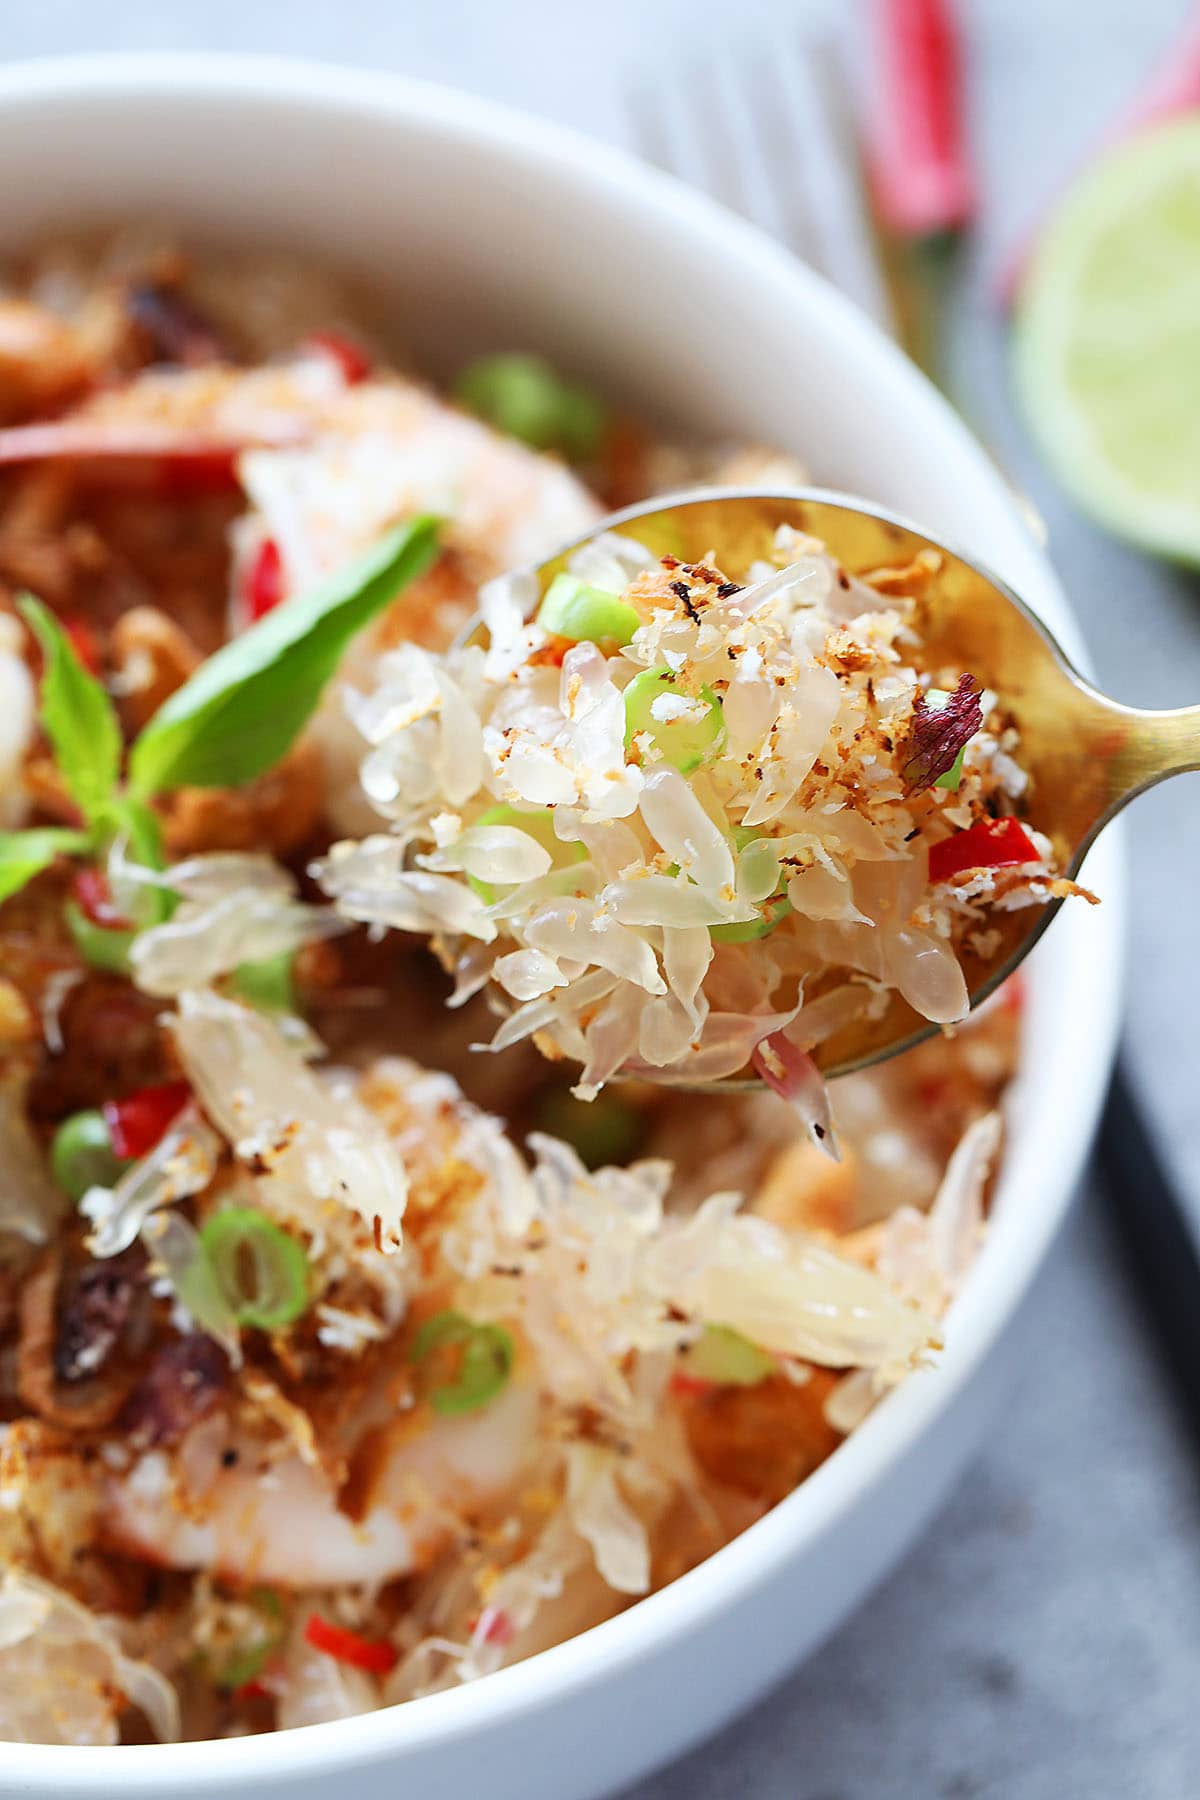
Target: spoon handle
x,y
1103,755
1161,744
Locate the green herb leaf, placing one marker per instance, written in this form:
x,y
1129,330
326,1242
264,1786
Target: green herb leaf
x,y
82,1156
77,715
243,708
24,854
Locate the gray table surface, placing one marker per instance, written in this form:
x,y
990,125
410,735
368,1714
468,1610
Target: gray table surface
x,y
1043,1641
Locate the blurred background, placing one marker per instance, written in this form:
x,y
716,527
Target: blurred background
x,y
1043,1641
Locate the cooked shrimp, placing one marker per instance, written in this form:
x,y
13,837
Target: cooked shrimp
x,y
389,450
42,359
282,1523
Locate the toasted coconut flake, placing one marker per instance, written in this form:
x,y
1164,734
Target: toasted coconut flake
x,y
788,817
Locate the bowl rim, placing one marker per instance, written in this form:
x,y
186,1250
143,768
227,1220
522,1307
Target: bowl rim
x,y
1003,1275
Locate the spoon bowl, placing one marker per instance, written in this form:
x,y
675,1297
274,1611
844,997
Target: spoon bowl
x,y
1085,755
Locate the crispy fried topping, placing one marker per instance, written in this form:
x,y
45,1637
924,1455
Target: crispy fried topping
x,y
181,1387
939,733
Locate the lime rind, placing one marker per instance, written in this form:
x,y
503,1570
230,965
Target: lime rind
x,y
1107,343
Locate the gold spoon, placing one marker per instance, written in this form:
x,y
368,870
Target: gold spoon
x,y
1087,756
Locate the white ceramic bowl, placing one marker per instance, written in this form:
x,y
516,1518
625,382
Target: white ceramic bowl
x,y
488,228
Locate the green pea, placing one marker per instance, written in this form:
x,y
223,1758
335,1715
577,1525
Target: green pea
x,y
82,1156
724,1356
538,821
573,609
774,911
101,946
523,396
269,984
601,1131
685,742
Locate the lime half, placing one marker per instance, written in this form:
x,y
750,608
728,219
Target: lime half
x,y
1108,341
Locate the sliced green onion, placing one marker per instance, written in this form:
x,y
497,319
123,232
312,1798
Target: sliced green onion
x,y
101,946
724,1356
573,609
745,931
270,984
488,1355
261,1271
539,823
247,1659
523,396
936,698
684,742
601,1131
82,1156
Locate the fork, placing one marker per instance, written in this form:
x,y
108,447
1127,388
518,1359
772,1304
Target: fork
x,y
773,138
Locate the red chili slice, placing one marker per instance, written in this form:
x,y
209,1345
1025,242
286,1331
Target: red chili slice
x,y
84,642
96,902
138,1122
265,584
496,1626
195,475
992,844
351,358
689,1387
375,1655
252,1690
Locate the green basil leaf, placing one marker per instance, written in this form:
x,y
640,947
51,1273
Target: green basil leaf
x,y
77,715
245,707
24,854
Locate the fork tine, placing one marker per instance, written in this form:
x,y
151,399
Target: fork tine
x,y
650,139
777,144
672,119
760,193
703,132
808,96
